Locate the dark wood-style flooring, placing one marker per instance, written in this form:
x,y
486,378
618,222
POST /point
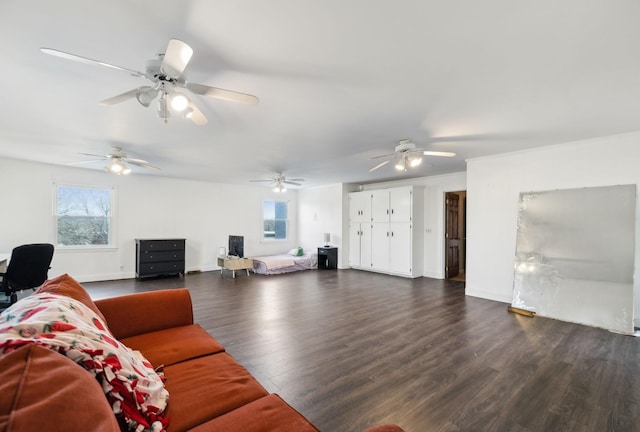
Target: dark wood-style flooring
x,y
350,349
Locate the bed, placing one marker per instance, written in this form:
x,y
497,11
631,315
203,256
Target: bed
x,y
284,263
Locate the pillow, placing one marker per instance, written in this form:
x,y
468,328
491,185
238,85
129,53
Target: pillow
x,y
134,390
68,286
39,386
296,251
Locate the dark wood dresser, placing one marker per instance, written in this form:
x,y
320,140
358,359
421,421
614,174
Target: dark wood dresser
x,y
159,257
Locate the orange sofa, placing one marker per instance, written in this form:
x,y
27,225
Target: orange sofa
x,y
41,389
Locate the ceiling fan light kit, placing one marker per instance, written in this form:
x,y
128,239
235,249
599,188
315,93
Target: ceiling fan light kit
x,y
406,156
117,167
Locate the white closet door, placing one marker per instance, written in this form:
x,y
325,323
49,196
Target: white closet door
x,y
400,205
380,246
360,207
354,245
380,205
365,245
400,248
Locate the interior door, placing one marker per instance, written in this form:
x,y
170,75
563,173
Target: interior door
x,y
452,235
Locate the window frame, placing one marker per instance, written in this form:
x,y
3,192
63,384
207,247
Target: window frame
x,y
111,243
264,219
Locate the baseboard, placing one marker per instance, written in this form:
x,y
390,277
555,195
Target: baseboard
x,y
433,275
488,295
104,277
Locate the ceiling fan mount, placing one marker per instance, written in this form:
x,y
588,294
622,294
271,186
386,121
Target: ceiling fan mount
x,y
166,73
407,155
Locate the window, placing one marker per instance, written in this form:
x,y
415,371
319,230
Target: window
x,y
274,220
83,216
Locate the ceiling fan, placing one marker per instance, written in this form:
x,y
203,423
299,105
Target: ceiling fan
x,y
279,181
166,73
117,160
407,156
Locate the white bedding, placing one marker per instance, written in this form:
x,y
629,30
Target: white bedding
x,y
284,263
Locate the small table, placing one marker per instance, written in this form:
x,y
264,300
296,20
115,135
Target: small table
x,y
327,258
234,264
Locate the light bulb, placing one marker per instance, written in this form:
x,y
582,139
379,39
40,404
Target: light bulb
x,y
415,161
179,102
115,167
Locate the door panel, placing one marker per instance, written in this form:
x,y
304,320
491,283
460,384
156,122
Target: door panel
x,y
380,246
365,245
380,205
400,205
354,245
360,207
400,248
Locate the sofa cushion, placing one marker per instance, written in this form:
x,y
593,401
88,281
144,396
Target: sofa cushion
x,y
170,346
63,324
43,390
68,286
144,312
207,387
267,414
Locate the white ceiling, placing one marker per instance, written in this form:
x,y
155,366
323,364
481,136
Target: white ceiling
x,y
339,81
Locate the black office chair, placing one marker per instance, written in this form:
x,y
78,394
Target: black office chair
x,y
28,268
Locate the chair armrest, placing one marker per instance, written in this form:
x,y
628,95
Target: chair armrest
x,y
140,313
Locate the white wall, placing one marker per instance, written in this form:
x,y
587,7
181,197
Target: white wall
x,y
435,189
320,210
147,207
494,185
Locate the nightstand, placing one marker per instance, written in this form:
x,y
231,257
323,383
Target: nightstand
x,y
327,258
234,264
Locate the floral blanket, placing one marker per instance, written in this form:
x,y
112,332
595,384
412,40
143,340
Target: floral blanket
x,y
134,390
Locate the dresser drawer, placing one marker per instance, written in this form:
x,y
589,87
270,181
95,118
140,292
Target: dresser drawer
x,y
161,268
161,245
159,256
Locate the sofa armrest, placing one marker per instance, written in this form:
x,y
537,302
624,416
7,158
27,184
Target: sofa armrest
x,y
385,428
135,314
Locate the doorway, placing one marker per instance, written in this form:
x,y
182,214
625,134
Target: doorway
x,y
455,235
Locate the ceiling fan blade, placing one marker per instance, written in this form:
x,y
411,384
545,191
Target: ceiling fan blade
x,y
261,181
381,156
437,153
95,155
196,115
296,179
134,161
176,58
85,161
379,165
119,98
86,60
142,164
291,183
218,93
